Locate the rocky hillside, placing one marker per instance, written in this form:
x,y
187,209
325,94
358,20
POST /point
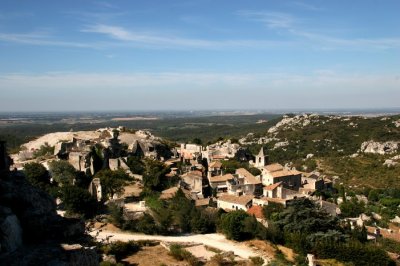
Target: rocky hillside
x,y
31,232
360,150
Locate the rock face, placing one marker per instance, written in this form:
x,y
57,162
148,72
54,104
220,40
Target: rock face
x,y
380,147
35,210
10,230
30,229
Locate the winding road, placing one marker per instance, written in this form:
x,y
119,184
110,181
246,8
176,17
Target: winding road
x,y
213,240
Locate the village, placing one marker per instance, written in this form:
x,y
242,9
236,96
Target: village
x,y
202,173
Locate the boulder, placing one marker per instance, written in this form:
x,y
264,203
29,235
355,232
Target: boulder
x,y
10,230
379,147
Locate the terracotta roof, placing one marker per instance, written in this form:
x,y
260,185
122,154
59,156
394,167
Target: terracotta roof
x,y
273,186
250,179
194,173
273,167
218,156
283,172
202,202
169,193
242,200
215,164
257,211
221,178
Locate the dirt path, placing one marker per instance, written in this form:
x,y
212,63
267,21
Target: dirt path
x,y
213,240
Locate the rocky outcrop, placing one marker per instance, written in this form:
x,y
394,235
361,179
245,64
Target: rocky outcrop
x,y
31,232
296,121
35,210
10,231
380,147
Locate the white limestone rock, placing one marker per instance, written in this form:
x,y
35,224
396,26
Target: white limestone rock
x,y
379,147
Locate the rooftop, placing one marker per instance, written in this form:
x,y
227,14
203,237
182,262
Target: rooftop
x,y
250,179
202,202
283,172
215,164
241,200
273,186
257,211
194,173
273,167
221,178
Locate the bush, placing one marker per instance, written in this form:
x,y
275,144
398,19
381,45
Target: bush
x,y
78,200
121,249
257,261
116,214
180,254
238,225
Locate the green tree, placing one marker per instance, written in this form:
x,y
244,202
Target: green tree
x,y
352,208
62,172
37,175
373,195
233,225
197,141
254,171
272,210
44,150
112,182
78,200
154,178
135,165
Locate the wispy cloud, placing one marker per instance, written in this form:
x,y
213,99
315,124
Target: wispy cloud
x,y
294,26
156,40
274,20
306,6
105,4
40,39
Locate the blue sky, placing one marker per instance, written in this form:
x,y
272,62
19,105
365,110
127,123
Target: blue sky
x,y
204,54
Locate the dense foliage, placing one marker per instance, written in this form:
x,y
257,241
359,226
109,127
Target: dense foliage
x,y
112,182
308,229
62,172
78,200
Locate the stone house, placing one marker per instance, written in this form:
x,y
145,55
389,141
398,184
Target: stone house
x,y
214,168
232,202
275,173
244,183
193,181
220,182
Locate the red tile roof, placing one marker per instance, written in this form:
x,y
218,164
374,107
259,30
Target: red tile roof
x,y
273,186
257,211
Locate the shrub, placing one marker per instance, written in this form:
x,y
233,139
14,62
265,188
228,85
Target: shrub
x,y
180,254
121,249
257,261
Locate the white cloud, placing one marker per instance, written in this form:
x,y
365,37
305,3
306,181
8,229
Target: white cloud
x,y
274,20
295,27
156,40
41,39
305,6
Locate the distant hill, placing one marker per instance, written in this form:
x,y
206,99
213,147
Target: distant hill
x,y
352,147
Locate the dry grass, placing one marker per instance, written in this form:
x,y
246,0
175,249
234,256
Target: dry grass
x,y
153,256
264,247
289,253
